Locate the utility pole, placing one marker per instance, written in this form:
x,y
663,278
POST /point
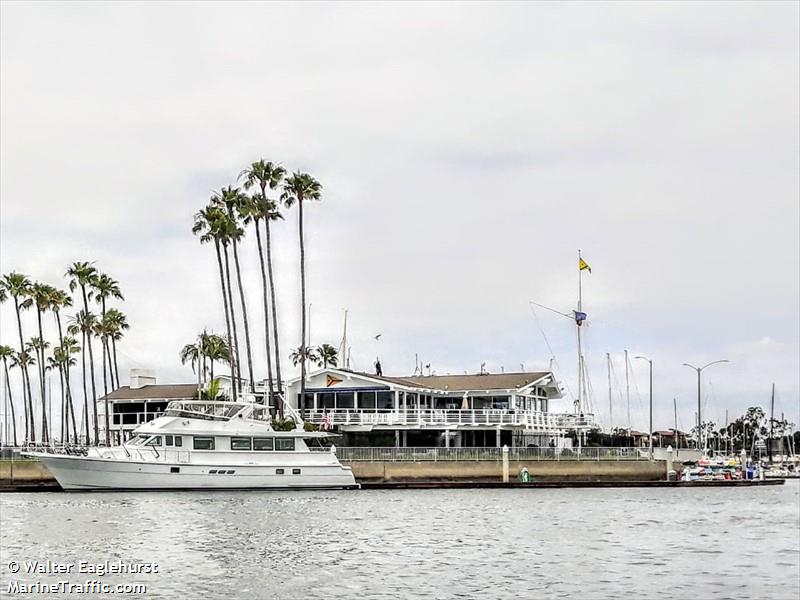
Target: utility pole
x,y
699,371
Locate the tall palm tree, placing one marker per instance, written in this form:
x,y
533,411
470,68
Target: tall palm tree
x,y
7,352
327,355
18,286
266,174
60,299
37,346
83,323
82,274
68,347
303,354
42,296
104,288
232,200
103,330
298,189
118,323
208,223
23,360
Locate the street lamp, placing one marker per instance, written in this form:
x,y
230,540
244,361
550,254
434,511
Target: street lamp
x,y
700,370
651,403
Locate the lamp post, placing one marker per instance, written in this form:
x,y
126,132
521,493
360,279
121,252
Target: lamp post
x,y
699,417
651,403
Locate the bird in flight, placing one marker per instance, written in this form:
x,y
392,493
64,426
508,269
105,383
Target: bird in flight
x,y
378,337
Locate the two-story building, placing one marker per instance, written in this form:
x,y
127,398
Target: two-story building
x,y
437,410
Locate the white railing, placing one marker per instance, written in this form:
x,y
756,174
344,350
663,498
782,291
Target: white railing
x,y
529,419
357,454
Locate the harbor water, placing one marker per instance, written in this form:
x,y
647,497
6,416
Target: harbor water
x,y
516,543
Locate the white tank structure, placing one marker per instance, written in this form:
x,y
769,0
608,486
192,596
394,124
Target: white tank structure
x,y
203,445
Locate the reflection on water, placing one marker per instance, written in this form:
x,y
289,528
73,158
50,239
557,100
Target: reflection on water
x,y
548,543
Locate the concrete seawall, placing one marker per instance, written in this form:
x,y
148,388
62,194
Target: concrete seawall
x,y
19,474
602,470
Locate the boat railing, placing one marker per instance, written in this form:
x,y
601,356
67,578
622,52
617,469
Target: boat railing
x,y
388,454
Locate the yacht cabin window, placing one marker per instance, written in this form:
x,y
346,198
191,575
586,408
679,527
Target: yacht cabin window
x,y
178,441
203,443
262,444
154,441
284,444
168,440
240,443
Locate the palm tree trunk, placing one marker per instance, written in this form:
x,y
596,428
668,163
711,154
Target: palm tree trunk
x,y
116,367
30,401
70,405
244,317
268,399
64,415
85,391
278,382
30,432
235,353
302,402
105,390
11,403
227,315
41,375
91,371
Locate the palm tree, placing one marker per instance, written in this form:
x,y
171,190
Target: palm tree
x,y
23,360
42,296
68,347
192,353
327,355
83,323
299,188
266,174
60,299
7,352
103,329
37,346
82,274
216,349
208,223
18,287
105,287
117,322
303,354
232,200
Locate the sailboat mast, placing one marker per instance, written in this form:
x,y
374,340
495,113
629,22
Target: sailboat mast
x,y
627,390
343,348
771,421
675,416
610,405
578,325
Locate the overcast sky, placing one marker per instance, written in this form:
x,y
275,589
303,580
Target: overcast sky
x,y
466,152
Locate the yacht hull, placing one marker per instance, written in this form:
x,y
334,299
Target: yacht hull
x,y
87,473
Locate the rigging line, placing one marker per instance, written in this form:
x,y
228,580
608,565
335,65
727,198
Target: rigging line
x,y
552,354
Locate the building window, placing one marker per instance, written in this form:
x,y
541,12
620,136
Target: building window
x,y
262,444
203,443
284,444
385,400
240,443
366,400
326,400
345,400
500,402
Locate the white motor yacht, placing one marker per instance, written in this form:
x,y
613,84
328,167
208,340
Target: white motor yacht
x,y
203,445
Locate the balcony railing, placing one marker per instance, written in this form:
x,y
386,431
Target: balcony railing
x,y
356,454
533,420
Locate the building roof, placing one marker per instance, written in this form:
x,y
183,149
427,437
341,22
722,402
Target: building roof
x,y
176,391
463,383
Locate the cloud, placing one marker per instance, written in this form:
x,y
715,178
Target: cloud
x,y
466,152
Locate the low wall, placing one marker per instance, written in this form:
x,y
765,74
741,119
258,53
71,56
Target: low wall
x,y
23,471
602,470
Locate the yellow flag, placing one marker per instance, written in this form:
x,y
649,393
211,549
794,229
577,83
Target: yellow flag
x,y
582,264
